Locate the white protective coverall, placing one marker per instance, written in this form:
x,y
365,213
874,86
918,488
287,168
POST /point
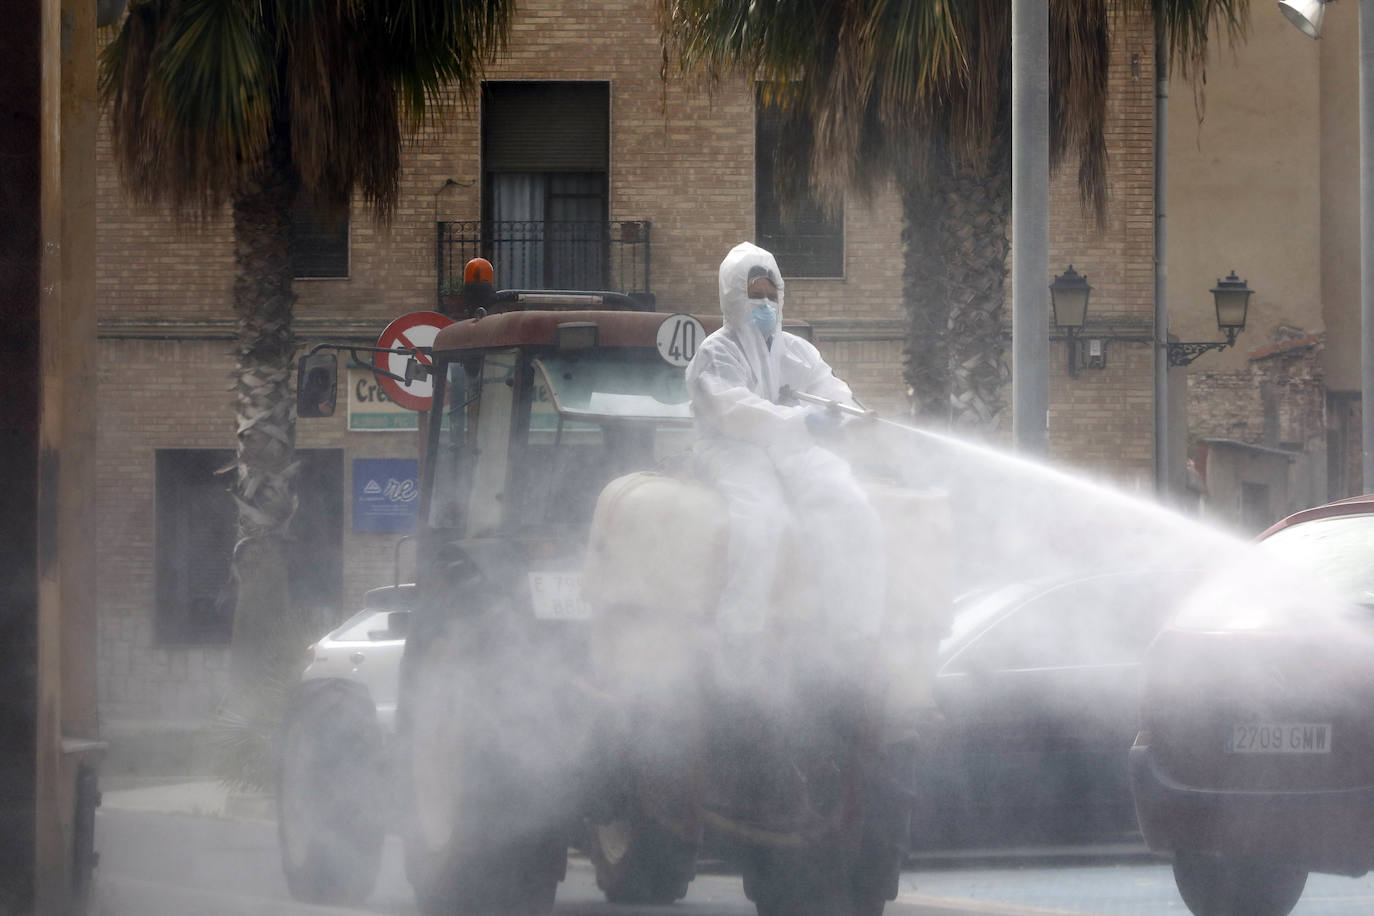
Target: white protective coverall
x,y
761,456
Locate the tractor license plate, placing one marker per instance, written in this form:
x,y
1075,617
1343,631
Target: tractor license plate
x,y
558,596
1280,738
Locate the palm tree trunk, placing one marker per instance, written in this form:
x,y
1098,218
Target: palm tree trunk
x,y
953,287
926,355
264,484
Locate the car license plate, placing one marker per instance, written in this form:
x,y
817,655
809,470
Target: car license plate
x,y
558,596
1280,738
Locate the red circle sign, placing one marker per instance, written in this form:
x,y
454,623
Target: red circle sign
x,y
408,333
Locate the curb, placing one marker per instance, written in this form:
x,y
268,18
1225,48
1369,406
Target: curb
x,y
156,749
251,806
191,799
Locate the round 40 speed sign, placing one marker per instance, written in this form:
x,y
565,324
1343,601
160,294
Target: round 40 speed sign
x,y
678,338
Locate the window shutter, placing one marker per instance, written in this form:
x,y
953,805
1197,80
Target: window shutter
x,y
810,241
319,240
315,551
196,528
545,127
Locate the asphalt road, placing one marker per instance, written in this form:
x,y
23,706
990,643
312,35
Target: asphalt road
x,y
157,864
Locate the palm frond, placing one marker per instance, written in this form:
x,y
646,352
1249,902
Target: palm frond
x,y
242,739
197,88
1080,62
889,85
244,733
1188,27
190,85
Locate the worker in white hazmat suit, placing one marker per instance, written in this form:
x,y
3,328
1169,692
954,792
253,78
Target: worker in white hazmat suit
x,y
764,457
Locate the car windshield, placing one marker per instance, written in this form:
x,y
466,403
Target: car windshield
x,y
1335,550
1104,618
976,609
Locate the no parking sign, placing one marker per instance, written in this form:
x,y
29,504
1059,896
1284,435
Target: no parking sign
x,y
404,336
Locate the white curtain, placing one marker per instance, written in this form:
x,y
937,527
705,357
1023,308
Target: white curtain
x,y
517,229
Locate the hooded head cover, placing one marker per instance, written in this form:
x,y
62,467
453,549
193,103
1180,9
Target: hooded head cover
x,y
737,310
744,262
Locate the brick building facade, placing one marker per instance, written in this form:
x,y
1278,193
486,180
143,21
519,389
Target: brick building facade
x,y
1279,208
682,158
1278,406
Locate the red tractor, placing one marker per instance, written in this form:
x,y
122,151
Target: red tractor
x,y
561,682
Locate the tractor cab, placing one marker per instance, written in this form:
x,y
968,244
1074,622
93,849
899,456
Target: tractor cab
x,y
535,411
536,406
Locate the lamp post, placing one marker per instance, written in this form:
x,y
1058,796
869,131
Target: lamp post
x,y
1069,300
1030,218
1307,16
1232,300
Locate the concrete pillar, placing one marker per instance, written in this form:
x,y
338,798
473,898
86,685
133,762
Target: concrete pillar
x,y
47,436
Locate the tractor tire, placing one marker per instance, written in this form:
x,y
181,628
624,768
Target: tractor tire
x,y
877,871
638,861
1211,886
331,798
853,868
818,881
811,881
460,855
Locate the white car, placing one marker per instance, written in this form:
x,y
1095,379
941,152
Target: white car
x,y
365,650
333,791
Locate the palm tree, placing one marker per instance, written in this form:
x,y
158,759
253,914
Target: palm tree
x,y
919,92
250,102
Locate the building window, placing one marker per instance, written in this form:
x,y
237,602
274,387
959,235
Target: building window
x,y
196,529
806,238
195,540
319,239
545,155
315,548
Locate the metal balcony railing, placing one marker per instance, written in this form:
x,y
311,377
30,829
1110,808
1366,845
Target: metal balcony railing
x,y
548,254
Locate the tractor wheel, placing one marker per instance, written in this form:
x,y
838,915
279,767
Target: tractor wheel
x,y
1211,886
877,871
638,861
460,855
811,881
853,868
331,798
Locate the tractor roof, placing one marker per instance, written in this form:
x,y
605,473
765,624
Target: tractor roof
x,y
536,328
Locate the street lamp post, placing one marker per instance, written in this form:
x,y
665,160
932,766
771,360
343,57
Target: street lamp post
x,y
1307,16
1030,233
1232,299
1069,304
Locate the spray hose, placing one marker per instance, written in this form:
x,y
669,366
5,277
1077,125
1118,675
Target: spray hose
x,y
787,393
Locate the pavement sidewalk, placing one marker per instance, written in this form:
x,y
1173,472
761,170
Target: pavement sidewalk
x,y
207,798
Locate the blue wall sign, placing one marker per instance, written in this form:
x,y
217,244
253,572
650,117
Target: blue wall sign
x,y
386,494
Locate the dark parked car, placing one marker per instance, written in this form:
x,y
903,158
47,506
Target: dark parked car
x,y
1038,684
1255,763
